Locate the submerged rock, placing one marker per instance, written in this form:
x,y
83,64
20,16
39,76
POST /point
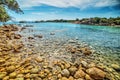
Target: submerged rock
x,y
52,33
86,51
72,41
30,37
71,49
39,36
23,28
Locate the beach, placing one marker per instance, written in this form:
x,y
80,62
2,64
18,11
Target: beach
x,y
27,56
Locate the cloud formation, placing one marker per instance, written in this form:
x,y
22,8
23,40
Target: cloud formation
x,y
68,3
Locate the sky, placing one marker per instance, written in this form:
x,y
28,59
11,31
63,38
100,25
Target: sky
x,y
66,9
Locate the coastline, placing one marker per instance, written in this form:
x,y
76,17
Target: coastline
x,y
34,57
97,24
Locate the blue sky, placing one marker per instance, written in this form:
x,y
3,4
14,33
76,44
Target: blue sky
x,y
66,9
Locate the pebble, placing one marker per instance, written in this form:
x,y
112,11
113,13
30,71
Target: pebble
x,y
65,73
39,36
20,75
64,78
28,70
34,70
72,41
20,78
84,64
10,68
116,67
13,75
87,77
6,78
72,70
79,74
2,74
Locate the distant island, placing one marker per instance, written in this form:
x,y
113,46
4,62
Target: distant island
x,y
88,21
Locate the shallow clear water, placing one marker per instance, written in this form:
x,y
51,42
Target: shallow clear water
x,y
102,37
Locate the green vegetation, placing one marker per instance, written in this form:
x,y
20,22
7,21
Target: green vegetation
x,y
100,21
90,21
22,21
11,5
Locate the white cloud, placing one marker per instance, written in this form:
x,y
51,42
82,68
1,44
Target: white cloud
x,y
103,3
68,3
44,13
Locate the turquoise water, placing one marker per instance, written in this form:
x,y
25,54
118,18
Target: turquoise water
x,y
100,37
96,36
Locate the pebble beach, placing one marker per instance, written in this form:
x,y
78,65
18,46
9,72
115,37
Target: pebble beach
x,y
25,56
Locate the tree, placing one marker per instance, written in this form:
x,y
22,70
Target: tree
x,y
103,20
3,15
9,4
96,20
77,19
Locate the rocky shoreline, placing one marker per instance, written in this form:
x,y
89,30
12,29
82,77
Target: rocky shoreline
x,y
33,57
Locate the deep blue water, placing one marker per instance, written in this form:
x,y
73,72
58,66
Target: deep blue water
x,y
96,36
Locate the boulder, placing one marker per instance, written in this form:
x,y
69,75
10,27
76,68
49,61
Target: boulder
x,y
96,73
39,36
